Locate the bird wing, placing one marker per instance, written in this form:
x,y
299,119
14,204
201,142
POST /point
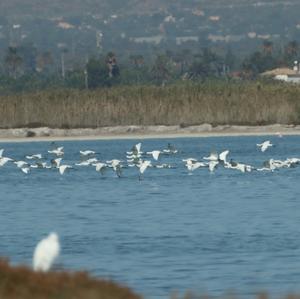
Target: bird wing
x,y
155,155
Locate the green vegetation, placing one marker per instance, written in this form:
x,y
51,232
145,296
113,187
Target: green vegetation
x,y
26,70
186,103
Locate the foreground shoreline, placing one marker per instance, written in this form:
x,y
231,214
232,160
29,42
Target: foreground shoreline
x,y
142,132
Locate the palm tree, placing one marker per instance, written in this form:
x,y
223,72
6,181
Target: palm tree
x,y
267,47
160,69
13,62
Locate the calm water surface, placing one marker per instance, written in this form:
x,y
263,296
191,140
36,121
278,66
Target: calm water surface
x,y
171,231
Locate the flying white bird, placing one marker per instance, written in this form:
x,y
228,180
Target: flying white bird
x,y
100,167
58,151
40,165
265,145
223,157
45,253
170,149
63,168
193,164
143,166
212,157
116,166
37,156
25,169
87,162
56,162
136,150
87,153
21,164
212,165
4,160
155,154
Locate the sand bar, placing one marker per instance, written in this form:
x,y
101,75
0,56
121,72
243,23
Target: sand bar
x,y
142,132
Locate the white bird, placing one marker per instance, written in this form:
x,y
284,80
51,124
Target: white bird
x,y
170,149
192,164
63,168
212,165
25,169
116,166
223,156
4,160
87,153
1,152
114,163
40,165
143,166
155,154
56,162
100,167
265,145
58,151
190,159
136,150
46,252
36,156
212,157
87,162
138,147
21,164
164,165
238,166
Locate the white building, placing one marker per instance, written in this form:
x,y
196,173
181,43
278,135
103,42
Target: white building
x,y
285,74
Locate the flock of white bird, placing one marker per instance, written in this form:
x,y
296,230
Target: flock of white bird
x,y
140,160
48,249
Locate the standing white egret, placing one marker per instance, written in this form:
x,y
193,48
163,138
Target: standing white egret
x,y
45,253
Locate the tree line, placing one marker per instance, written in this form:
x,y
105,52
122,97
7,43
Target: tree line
x,y
24,68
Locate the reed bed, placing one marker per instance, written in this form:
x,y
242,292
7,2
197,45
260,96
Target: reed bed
x,y
22,283
217,103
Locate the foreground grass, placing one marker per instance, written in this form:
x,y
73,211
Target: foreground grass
x,y
23,283
217,103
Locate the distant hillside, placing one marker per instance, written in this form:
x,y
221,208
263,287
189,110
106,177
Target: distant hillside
x,y
87,28
40,8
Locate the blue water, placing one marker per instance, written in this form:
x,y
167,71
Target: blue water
x,y
206,232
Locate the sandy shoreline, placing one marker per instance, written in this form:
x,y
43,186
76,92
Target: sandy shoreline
x,y
142,132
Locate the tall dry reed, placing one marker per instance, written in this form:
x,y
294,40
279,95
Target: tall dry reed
x,y
234,103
